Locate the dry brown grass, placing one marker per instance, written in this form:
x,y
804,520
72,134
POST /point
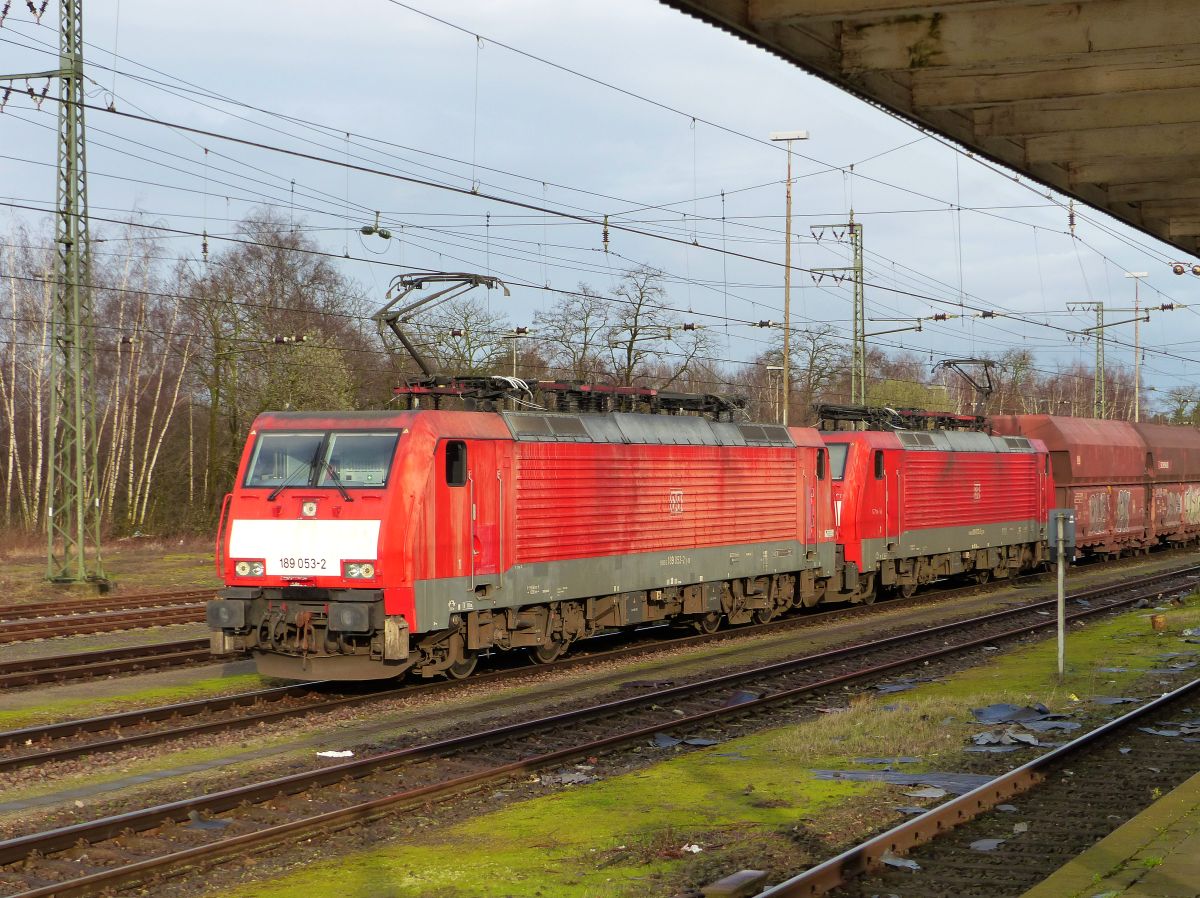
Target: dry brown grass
x,y
918,727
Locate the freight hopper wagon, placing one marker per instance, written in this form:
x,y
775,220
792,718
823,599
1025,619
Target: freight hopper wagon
x,y
1132,486
365,545
915,506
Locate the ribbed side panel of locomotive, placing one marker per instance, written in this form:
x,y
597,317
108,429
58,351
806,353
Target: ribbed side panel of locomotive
x,y
602,501
627,519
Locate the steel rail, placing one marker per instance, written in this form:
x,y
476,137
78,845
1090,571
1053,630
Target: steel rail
x,y
60,668
13,850
868,856
18,611
100,622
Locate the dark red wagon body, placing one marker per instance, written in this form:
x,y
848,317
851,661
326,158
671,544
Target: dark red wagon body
x,y
1099,471
1132,486
1173,474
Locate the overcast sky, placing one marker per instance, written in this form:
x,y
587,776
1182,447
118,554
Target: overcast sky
x,y
689,122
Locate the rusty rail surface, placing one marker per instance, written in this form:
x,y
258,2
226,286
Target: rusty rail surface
x,y
100,622
21,611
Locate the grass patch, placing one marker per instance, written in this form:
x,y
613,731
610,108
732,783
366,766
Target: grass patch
x,y
74,708
934,721
141,565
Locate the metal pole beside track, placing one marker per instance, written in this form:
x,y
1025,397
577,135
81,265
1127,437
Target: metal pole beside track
x,y
1060,523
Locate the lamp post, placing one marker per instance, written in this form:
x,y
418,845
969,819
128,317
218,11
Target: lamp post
x,y
787,137
774,387
1137,345
515,334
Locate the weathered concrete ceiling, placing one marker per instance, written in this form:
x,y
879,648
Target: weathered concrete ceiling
x,y
1099,99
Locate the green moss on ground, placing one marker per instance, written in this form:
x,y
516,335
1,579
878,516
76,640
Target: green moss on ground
x,y
619,837
74,708
741,801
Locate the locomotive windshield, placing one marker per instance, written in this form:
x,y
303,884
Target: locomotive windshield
x,y
336,459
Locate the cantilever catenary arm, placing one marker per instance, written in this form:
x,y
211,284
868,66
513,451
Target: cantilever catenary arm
x,y
983,388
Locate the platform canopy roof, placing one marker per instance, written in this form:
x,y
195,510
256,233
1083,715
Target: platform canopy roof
x,y
1098,99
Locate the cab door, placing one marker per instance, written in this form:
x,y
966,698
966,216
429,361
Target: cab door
x,y
453,525
486,486
468,511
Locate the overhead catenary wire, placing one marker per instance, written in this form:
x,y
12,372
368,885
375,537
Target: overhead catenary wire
x,y
776,263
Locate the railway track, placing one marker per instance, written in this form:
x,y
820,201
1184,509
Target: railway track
x,y
83,665
90,856
19,611
47,620
1068,800
154,656
74,739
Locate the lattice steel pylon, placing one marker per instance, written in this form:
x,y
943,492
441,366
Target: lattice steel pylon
x,y
858,342
72,485
73,502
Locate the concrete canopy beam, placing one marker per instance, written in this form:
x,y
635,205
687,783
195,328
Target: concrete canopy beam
x,y
1092,99
1078,75
1060,114
1014,32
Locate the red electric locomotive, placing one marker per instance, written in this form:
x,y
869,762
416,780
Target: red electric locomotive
x,y
364,545
914,506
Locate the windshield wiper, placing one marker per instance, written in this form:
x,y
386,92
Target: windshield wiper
x,y
337,482
286,483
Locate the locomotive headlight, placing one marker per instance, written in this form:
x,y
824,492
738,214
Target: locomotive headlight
x,y
358,570
249,568
309,509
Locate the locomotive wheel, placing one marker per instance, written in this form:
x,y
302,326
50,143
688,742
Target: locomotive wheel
x,y
983,576
708,623
463,668
764,615
549,653
906,590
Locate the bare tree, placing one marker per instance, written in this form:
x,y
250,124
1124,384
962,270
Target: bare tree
x,y
574,332
463,336
643,331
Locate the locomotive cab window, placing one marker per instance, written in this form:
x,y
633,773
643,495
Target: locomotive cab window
x,y
281,458
879,464
456,463
837,459
820,464
357,459
342,459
